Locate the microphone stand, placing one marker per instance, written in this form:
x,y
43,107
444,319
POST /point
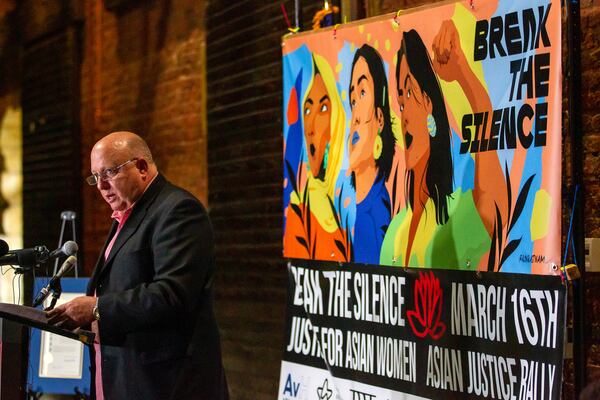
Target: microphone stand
x,y
56,288
56,292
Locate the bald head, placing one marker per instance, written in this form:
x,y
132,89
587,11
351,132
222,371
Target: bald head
x,y
126,144
123,165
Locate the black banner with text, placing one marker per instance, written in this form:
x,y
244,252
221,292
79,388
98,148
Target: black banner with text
x,y
371,332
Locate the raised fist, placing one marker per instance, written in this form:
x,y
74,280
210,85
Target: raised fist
x,y
449,60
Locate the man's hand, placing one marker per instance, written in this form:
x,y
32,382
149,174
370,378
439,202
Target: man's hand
x,y
73,314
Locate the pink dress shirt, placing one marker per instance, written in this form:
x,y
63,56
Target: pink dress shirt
x,y
121,218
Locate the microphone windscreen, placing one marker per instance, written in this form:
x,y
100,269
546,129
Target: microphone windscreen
x,y
3,247
66,266
70,248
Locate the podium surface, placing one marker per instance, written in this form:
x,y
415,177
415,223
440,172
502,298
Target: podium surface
x,y
36,318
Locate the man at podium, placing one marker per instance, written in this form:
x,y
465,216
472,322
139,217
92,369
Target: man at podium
x,y
150,297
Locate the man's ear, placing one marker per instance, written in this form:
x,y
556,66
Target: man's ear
x,y
142,166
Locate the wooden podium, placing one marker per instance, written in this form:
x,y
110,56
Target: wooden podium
x,y
13,341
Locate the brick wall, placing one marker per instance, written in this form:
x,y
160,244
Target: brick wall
x,y
142,71
245,152
590,99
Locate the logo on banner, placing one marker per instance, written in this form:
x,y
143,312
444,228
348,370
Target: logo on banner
x,y
425,319
324,392
291,388
356,395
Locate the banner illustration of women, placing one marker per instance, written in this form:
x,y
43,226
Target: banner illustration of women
x,y
436,146
370,152
313,228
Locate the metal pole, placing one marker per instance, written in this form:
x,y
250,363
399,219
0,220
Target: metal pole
x,y
575,133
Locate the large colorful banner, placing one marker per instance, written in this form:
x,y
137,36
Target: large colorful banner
x,y
429,138
363,333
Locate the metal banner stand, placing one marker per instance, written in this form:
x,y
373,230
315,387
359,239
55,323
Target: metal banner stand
x,y
67,216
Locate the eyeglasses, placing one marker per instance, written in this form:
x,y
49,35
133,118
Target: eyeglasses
x,y
107,174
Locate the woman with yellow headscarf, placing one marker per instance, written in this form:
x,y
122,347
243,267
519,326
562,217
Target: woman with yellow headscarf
x,y
313,228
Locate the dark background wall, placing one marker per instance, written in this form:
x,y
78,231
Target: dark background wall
x,y
50,103
143,70
201,81
245,174
243,77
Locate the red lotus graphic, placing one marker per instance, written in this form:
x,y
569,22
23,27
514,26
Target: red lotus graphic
x,y
425,318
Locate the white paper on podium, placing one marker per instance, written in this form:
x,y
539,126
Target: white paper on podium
x,y
60,357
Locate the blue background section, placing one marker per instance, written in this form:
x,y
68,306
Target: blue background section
x,y
499,92
297,72
57,385
463,166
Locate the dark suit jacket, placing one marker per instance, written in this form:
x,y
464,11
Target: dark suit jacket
x,y
158,334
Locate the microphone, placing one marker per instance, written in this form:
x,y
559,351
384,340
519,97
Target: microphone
x,y
64,269
29,258
25,258
68,249
3,247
